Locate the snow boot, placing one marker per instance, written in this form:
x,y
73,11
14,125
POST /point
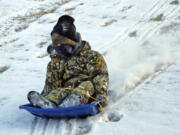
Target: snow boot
x,y
39,101
71,100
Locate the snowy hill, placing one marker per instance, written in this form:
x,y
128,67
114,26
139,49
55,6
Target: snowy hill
x,y
140,42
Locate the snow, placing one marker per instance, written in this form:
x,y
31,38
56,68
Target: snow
x,y
140,42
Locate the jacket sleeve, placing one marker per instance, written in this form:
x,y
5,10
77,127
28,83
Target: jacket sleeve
x,y
98,69
49,82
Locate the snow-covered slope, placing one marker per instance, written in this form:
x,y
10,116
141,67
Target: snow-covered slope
x,y
140,42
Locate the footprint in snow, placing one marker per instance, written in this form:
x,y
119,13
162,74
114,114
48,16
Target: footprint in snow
x,y
108,22
3,69
41,55
114,116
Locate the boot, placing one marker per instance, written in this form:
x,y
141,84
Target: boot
x,y
39,101
71,100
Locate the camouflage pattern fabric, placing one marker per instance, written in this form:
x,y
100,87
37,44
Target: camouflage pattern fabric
x,y
86,70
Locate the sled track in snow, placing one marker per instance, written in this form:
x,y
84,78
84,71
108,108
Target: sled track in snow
x,y
158,7
148,33
33,125
68,127
41,126
145,79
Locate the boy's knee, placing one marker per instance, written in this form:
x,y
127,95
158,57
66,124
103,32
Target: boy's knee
x,y
57,96
86,85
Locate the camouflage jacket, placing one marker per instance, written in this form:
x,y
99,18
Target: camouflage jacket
x,y
86,65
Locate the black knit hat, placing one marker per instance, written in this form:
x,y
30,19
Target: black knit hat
x,y
65,27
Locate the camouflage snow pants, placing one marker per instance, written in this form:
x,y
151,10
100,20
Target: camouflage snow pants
x,y
58,95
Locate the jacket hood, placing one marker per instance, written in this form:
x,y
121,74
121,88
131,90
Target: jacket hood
x,y
60,46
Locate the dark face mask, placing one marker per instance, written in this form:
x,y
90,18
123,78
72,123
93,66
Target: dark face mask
x,y
63,51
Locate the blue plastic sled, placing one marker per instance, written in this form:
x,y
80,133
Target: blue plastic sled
x,y
69,112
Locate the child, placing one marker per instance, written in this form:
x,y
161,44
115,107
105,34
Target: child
x,y
75,72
